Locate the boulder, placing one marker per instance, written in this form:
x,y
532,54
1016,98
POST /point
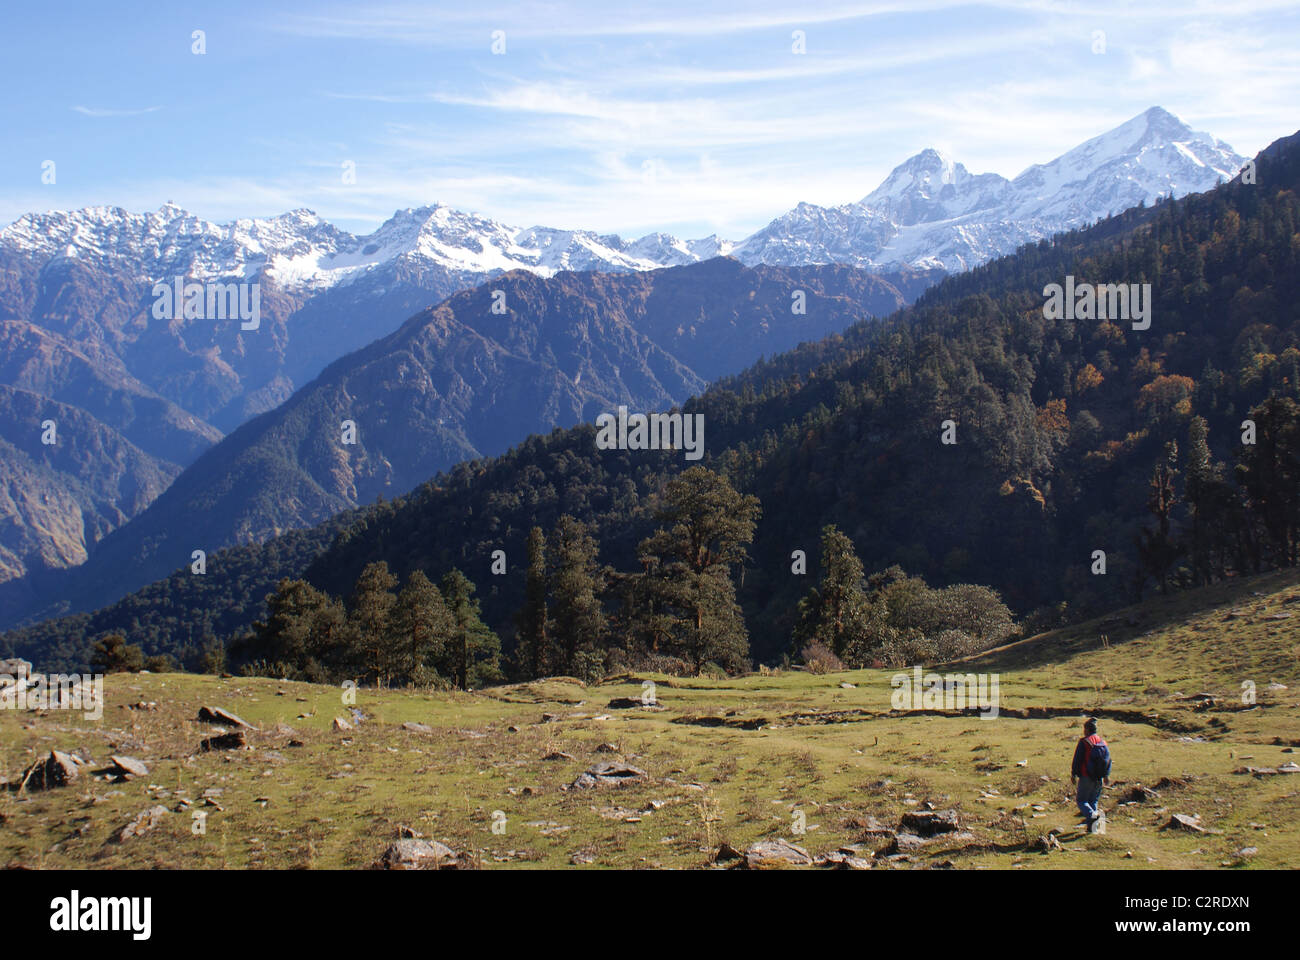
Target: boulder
x,y
929,823
1181,821
127,767
57,770
217,715
776,854
235,740
610,773
840,860
340,724
413,854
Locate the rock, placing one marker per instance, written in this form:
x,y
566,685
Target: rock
x,y
409,833
412,727
57,770
1139,794
929,823
235,740
776,854
1276,688
414,854
607,748
512,728
726,853
1181,821
903,843
1289,767
839,860
1048,842
341,724
1246,852
609,773
217,715
142,824
559,755
845,685
628,703
128,767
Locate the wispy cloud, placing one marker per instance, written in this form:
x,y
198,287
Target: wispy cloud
x,y
108,112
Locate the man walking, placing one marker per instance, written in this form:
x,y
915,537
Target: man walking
x,y
1090,769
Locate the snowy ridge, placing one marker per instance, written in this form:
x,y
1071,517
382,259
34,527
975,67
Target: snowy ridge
x,y
932,212
929,212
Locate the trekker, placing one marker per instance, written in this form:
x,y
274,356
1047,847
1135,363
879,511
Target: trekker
x,y
1091,769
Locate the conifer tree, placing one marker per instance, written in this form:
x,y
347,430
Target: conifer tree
x,y
473,651
421,628
704,527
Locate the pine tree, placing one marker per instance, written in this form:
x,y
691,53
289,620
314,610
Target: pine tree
x,y
533,654
1270,473
576,615
1157,550
834,613
473,651
704,527
306,633
421,628
371,613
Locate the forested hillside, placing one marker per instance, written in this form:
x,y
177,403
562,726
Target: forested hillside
x,y
1071,437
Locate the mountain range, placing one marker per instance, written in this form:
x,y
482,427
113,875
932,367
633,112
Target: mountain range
x,y
139,399
1063,430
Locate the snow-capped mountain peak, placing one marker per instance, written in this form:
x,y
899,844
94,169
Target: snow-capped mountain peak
x,y
932,212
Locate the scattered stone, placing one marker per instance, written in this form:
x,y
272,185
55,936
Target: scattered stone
x,y
839,860
1048,842
512,728
726,853
609,773
607,748
845,685
409,833
903,843
340,724
928,823
142,824
1181,821
57,770
235,740
415,854
559,755
217,715
412,727
141,705
127,767
776,854
628,703
1246,852
1139,794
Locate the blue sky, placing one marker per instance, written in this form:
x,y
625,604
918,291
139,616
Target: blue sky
x,y
692,118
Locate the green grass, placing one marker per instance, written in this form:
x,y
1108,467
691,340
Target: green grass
x,y
729,760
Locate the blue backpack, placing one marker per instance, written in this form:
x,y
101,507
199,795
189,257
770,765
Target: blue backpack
x,y
1096,758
